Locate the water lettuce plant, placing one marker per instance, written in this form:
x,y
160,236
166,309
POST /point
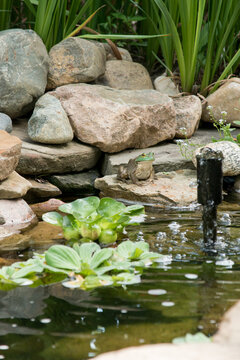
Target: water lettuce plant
x,y
84,266
91,219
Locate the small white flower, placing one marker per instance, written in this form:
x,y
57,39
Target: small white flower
x,y
221,121
179,141
224,113
209,107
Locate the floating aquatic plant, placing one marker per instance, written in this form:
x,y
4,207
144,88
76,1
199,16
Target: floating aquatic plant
x,y
84,266
91,219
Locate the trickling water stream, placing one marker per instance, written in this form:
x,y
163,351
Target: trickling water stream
x,y
189,294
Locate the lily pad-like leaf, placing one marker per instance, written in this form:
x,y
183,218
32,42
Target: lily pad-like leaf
x,y
100,256
81,208
86,251
125,249
62,257
109,207
53,218
134,210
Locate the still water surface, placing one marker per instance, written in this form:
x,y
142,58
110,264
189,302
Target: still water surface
x,y
189,294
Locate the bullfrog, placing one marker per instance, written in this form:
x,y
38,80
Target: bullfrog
x,y
138,169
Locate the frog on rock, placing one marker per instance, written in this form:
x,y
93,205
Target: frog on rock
x,y
137,170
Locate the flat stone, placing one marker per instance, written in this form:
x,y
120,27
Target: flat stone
x,y
188,115
41,189
165,85
5,122
75,60
114,120
17,216
50,205
23,71
175,188
125,75
41,159
226,98
15,186
167,155
77,184
10,149
49,123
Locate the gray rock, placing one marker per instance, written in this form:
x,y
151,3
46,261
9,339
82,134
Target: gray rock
x,y
114,120
49,123
75,60
173,188
77,184
23,70
125,75
42,159
5,123
15,186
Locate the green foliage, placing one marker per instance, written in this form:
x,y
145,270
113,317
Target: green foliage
x,y
84,266
192,339
5,14
224,129
204,37
92,219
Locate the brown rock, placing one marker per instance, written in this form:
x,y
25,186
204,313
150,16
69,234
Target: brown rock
x,y
165,85
122,74
41,189
114,120
110,55
75,60
15,186
175,188
188,115
41,208
10,150
224,99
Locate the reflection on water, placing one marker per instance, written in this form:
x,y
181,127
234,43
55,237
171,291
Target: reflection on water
x,y
188,295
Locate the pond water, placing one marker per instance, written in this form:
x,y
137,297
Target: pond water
x,y
186,296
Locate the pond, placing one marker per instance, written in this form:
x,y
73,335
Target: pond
x,y
188,295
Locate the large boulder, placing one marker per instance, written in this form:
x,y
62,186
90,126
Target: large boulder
x,y
23,70
224,103
122,74
10,150
75,60
49,123
114,120
188,115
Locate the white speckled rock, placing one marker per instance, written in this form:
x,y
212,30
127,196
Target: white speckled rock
x,y
231,156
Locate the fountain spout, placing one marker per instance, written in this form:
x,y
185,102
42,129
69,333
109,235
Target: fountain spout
x,y
210,180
